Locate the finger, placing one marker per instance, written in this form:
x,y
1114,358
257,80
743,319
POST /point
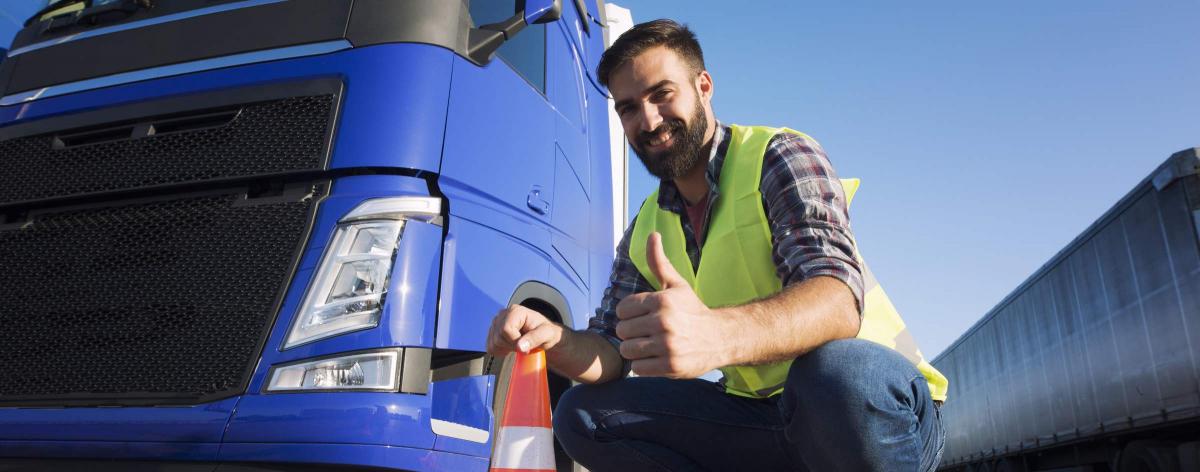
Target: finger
x,y
660,265
636,305
641,326
499,348
510,327
497,344
641,348
543,337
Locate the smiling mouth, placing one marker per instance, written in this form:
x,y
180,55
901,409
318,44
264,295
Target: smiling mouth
x,y
659,140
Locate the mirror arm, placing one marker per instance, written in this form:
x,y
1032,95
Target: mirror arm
x,y
485,40
509,27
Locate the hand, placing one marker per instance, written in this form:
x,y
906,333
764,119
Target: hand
x,y
669,333
520,328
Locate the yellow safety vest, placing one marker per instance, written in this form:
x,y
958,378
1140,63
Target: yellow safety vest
x,y
736,265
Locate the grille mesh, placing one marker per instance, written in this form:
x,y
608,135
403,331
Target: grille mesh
x,y
154,299
265,138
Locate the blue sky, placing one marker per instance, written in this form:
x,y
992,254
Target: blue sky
x,y
987,134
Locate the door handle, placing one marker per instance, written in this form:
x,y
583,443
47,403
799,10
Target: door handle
x,y
536,203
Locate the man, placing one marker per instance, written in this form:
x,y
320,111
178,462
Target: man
x,y
744,261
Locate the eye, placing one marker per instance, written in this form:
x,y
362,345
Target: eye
x,y
661,95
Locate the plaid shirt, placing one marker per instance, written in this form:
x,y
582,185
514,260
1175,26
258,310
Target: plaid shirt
x,y
806,209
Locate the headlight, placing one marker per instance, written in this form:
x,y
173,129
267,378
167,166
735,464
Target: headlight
x,y
365,371
347,291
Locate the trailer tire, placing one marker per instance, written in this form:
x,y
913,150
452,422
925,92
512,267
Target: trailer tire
x,y
1149,456
1011,464
985,466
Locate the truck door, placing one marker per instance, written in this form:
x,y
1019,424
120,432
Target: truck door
x,y
571,214
497,174
500,134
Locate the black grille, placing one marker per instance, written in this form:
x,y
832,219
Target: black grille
x,y
265,138
166,300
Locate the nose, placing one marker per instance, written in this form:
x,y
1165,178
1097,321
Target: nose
x,y
650,118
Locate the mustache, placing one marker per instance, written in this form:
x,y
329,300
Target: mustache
x,y
672,126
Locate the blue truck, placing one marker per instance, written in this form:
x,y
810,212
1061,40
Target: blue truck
x,y
271,235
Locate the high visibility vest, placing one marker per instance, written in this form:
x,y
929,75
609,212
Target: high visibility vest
x,y
736,265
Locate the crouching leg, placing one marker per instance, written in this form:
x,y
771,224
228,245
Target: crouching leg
x,y
855,405
645,423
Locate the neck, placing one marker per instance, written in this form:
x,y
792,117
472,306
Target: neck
x,y
694,185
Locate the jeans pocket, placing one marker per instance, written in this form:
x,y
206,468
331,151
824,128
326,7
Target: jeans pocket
x,y
941,439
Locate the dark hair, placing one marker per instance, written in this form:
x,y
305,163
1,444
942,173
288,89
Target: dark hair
x,y
661,32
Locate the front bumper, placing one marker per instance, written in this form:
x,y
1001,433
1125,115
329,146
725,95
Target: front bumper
x,y
253,458
308,431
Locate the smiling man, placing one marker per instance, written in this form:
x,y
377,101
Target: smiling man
x,y
742,261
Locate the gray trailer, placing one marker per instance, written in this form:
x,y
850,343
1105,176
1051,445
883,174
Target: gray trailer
x,y
1091,364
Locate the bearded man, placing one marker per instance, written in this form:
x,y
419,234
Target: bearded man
x,y
742,261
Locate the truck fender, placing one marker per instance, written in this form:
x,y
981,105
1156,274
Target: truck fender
x,y
543,299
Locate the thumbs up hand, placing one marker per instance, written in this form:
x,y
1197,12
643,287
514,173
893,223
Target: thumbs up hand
x,y
670,333
666,274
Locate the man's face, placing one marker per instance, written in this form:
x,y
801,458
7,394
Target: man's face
x,y
661,102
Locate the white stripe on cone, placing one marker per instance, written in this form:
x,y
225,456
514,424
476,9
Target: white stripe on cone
x,y
524,447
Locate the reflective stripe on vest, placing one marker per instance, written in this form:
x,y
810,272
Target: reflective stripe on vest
x,y
736,266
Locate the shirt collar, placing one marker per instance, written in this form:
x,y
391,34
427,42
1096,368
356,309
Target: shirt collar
x,y
669,197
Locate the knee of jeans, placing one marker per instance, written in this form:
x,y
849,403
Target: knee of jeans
x,y
572,419
849,368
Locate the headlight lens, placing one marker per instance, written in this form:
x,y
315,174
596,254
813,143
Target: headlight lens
x,y
367,371
347,292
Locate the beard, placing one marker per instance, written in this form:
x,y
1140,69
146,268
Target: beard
x,y
683,155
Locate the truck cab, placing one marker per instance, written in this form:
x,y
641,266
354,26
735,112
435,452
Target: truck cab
x,y
272,234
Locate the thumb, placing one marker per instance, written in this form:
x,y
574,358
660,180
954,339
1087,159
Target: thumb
x,y
660,265
545,337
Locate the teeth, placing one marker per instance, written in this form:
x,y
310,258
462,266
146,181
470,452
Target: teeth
x,y
660,140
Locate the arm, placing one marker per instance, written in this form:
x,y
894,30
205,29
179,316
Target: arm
x,y
584,356
587,356
814,252
672,333
814,257
794,321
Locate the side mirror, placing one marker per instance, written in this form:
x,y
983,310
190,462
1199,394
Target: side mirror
x,y
540,11
484,40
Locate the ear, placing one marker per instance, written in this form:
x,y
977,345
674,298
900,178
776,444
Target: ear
x,y
704,84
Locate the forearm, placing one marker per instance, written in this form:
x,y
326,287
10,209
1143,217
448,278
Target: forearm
x,y
585,357
796,320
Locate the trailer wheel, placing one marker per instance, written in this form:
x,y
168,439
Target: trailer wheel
x,y
1148,456
1011,464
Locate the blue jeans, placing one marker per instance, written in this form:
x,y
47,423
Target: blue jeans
x,y
849,405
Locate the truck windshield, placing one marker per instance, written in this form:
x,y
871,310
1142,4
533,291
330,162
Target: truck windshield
x,y
55,8
59,7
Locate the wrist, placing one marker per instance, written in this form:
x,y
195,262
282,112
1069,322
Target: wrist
x,y
729,348
565,338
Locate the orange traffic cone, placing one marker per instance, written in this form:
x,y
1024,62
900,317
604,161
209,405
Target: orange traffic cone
x,y
525,441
